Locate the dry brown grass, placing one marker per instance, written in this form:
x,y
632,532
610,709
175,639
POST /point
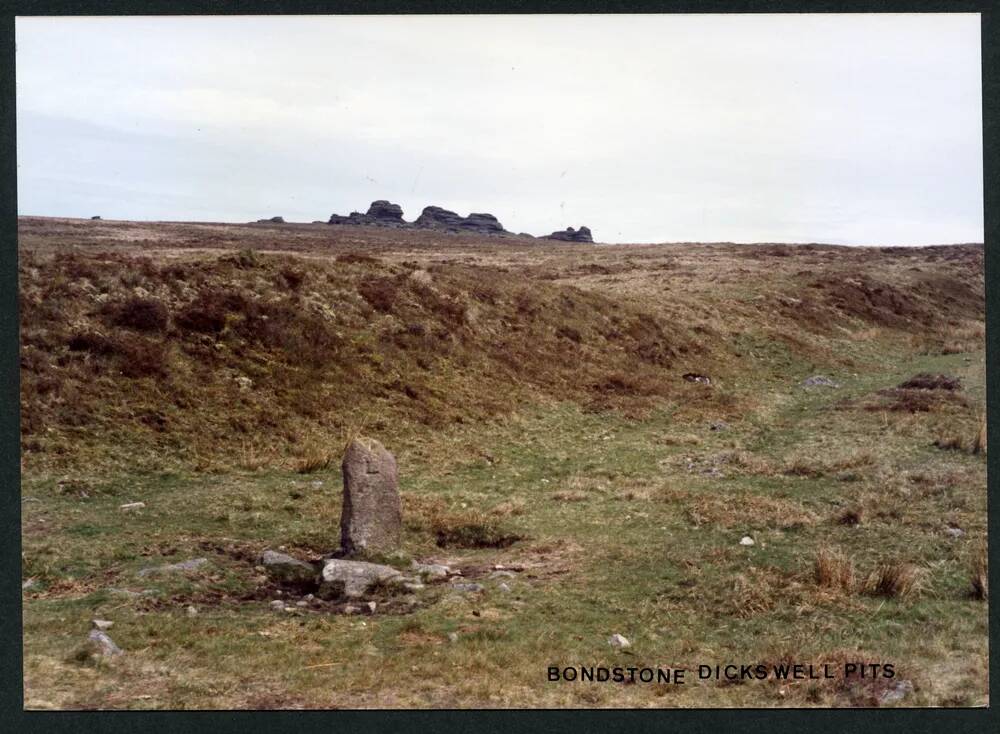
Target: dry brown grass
x,y
895,579
747,511
314,457
980,576
833,570
809,464
979,442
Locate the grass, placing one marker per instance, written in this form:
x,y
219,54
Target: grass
x,y
597,485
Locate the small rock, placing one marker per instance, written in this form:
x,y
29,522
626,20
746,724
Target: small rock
x,y
502,575
100,644
468,587
746,540
718,426
503,587
453,637
284,569
101,624
277,605
695,377
819,381
897,692
431,570
309,597
129,506
619,642
29,584
352,579
954,532
351,609
192,611
413,586
302,603
371,606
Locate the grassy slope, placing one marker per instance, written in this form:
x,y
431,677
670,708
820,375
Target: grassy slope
x,y
600,466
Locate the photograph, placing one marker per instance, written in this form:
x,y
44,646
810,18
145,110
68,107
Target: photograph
x,y
527,361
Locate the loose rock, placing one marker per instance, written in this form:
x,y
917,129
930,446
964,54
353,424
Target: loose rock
x,y
101,624
619,642
897,692
129,506
819,381
352,579
284,569
100,644
746,540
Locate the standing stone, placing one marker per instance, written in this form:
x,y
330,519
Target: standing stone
x,y
371,518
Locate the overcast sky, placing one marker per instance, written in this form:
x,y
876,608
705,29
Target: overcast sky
x,y
855,129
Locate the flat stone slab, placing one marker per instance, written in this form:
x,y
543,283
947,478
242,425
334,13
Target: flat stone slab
x,y
352,579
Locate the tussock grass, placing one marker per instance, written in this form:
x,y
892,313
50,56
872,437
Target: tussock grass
x,y
833,570
980,580
896,579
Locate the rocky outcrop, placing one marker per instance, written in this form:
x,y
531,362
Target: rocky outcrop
x,y
381,213
434,217
272,220
571,235
386,214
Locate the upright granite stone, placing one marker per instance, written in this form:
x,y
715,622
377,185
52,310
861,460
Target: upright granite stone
x,y
371,518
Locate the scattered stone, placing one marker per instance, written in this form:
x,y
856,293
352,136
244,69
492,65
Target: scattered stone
x,y
453,637
746,540
29,584
100,644
101,624
244,382
193,565
503,575
431,570
371,519
352,579
619,642
351,609
371,606
284,569
277,605
503,587
718,426
470,588
954,532
897,691
413,586
192,611
309,597
571,235
695,377
819,381
129,506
